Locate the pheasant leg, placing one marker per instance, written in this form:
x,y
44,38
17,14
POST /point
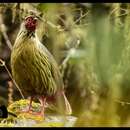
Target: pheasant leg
x,y
30,105
42,101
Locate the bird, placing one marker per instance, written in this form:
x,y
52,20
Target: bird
x,y
35,70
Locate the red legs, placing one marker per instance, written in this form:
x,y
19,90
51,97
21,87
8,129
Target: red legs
x,y
30,104
42,100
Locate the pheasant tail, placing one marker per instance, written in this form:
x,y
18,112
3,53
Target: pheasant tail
x,y
67,105
63,104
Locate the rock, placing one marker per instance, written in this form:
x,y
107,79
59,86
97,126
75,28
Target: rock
x,y
50,121
32,120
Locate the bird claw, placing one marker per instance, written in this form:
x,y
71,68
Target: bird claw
x,y
30,111
38,114
26,110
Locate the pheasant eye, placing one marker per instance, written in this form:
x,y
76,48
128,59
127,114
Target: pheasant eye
x,y
28,19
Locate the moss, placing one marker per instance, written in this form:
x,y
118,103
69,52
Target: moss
x,y
30,116
20,105
29,119
6,124
17,108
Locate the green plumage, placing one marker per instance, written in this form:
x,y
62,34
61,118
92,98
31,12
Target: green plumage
x,y
35,70
33,67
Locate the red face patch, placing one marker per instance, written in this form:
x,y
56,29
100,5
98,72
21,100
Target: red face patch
x,y
30,23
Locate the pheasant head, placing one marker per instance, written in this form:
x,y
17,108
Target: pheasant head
x,y
30,23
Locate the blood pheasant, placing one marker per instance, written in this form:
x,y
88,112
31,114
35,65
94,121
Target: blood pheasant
x,y
35,70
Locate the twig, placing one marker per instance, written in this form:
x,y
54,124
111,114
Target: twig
x,y
76,21
3,31
10,90
122,102
6,37
81,17
125,13
54,26
71,51
115,9
2,63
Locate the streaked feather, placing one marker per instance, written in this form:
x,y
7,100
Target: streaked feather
x,y
34,68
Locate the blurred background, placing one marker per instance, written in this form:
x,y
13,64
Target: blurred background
x,y
91,43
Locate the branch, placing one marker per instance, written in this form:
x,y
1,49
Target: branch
x,y
2,63
126,12
3,31
122,102
70,53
